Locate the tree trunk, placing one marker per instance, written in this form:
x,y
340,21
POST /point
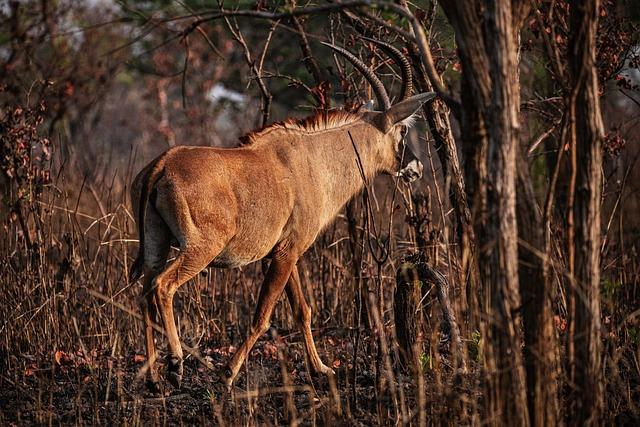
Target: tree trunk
x,y
414,279
490,123
541,348
541,352
407,313
585,345
499,250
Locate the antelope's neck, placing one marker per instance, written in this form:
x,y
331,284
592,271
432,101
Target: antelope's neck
x,y
343,167
327,168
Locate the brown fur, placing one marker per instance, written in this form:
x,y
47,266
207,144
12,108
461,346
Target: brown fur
x,y
231,207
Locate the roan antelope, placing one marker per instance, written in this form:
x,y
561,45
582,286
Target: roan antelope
x,y
269,198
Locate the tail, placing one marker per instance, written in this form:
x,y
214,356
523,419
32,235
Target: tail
x,y
151,179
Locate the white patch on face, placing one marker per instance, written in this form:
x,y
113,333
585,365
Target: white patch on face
x,y
412,171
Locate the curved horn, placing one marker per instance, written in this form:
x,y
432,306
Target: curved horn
x,y
376,84
405,66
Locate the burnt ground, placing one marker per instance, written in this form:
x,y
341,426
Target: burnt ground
x,y
273,388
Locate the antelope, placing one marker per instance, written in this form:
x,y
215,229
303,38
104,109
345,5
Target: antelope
x,y
269,198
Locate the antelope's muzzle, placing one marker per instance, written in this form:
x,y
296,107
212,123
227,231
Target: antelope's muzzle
x,y
411,166
412,171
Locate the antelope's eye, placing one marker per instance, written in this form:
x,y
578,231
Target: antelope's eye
x,y
403,131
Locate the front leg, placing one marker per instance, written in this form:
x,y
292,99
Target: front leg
x,y
302,315
272,288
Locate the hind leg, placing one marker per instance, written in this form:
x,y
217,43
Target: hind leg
x,y
149,312
189,262
156,251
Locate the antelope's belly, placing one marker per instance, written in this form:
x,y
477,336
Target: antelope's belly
x,y
243,250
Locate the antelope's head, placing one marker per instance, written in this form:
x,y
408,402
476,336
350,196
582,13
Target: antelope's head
x,y
391,125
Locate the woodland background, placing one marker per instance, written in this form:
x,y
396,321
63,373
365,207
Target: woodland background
x,y
528,208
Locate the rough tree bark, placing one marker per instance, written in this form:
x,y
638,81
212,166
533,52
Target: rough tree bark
x,y
585,345
487,46
414,278
541,344
499,251
541,352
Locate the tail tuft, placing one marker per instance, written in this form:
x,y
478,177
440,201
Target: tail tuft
x,y
135,271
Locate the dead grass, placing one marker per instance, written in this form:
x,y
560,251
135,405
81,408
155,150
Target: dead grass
x,y
71,342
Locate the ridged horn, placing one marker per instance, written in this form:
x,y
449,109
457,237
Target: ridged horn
x,y
405,66
376,84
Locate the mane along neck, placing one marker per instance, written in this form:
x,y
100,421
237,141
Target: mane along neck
x,y
320,122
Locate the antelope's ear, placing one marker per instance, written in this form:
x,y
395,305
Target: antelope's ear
x,y
402,110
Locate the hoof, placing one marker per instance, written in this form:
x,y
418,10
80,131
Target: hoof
x,y
227,378
174,372
153,387
321,376
175,379
323,370
329,372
